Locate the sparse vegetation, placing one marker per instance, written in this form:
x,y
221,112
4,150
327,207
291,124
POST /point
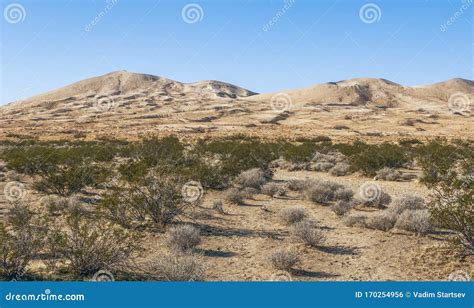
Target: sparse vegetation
x,y
284,259
183,238
341,207
388,174
179,267
417,221
291,215
355,221
384,221
306,232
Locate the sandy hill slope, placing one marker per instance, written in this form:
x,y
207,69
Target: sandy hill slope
x,y
127,105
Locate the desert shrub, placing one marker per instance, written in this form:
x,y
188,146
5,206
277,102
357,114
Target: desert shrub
x,y
89,245
321,166
183,238
253,178
218,206
306,232
451,205
437,158
407,202
156,197
324,191
298,153
341,207
296,184
383,221
291,215
284,259
179,267
235,196
273,189
20,243
369,158
388,174
355,221
57,204
415,221
341,169
344,194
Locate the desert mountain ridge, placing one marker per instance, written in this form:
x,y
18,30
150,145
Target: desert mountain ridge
x,y
130,104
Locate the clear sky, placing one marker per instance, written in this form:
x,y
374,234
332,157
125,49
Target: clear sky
x,y
262,45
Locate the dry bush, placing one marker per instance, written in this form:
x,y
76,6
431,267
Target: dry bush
x,y
417,221
384,221
284,259
321,166
388,174
306,232
235,196
218,206
355,221
296,184
341,207
179,267
407,202
291,215
183,238
324,191
249,192
343,194
274,189
341,169
254,178
57,204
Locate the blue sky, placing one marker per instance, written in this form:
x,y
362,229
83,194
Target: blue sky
x,y
264,45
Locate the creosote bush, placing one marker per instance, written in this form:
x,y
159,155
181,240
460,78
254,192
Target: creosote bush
x,y
183,238
89,244
291,215
284,259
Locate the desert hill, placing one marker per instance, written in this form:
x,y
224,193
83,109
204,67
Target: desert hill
x,y
127,105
